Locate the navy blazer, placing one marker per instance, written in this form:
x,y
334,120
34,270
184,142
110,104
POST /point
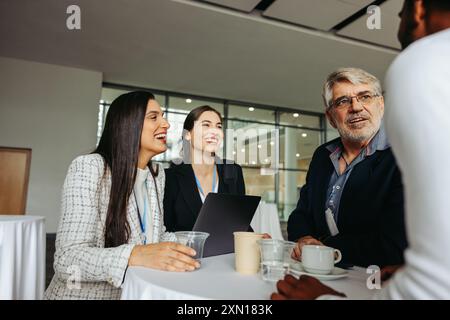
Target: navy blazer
x,y
182,202
371,212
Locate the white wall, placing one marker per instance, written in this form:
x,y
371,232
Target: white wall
x,y
52,110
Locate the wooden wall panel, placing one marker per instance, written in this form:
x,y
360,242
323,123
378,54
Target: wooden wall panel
x,y
14,175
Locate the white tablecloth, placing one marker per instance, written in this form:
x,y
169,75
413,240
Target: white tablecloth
x,y
266,220
22,257
217,279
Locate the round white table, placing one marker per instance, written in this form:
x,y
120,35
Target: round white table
x,y
22,257
217,279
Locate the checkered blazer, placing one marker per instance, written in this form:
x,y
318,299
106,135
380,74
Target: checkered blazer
x,y
84,268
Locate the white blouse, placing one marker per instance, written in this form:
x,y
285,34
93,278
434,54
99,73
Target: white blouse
x,y
143,203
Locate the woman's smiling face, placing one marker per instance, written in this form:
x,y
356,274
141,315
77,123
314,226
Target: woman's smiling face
x,y
154,130
207,133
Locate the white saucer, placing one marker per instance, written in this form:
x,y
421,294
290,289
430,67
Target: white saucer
x,y
336,273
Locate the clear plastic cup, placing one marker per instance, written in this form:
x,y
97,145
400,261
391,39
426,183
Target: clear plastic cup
x,y
288,249
193,239
272,259
272,271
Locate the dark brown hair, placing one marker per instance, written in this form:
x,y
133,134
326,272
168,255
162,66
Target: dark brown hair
x,y
119,146
195,114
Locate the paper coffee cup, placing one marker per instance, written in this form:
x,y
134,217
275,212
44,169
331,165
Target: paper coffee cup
x,y
247,253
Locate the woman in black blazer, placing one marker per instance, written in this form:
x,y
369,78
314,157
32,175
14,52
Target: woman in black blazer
x,y
201,172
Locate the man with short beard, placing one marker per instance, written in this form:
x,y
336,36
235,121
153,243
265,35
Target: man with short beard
x,y
353,196
418,122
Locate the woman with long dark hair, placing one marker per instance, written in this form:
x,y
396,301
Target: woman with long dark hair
x,y
112,213
201,171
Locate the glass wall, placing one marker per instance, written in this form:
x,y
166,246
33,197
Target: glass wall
x,y
184,104
274,145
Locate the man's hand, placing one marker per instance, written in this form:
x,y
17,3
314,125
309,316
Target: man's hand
x,y
297,253
388,271
304,288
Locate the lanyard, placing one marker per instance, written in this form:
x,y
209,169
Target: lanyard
x,y
213,183
142,222
143,219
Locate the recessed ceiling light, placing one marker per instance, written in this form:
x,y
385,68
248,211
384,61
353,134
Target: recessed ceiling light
x,y
304,135
253,162
188,100
242,150
297,155
295,115
267,160
272,143
251,109
259,146
234,152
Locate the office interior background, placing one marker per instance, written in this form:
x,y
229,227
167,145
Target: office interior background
x,y
262,64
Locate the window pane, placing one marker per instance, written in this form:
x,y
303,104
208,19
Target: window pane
x,y
186,104
257,183
251,113
300,120
332,133
252,144
290,185
297,147
174,135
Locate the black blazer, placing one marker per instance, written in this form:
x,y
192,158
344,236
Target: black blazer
x,y
182,201
371,213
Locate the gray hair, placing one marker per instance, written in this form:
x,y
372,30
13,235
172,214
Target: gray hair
x,y
352,75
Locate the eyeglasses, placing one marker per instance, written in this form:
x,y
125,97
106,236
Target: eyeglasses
x,y
345,102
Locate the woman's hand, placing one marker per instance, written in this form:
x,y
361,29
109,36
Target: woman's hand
x,y
297,253
168,256
266,236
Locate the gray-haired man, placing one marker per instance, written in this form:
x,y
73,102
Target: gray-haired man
x,y
353,196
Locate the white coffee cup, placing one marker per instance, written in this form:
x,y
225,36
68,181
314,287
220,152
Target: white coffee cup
x,y
319,259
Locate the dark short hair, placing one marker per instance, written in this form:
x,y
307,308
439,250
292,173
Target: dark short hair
x,y
430,5
437,5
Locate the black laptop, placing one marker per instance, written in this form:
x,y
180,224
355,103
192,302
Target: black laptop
x,y
220,216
